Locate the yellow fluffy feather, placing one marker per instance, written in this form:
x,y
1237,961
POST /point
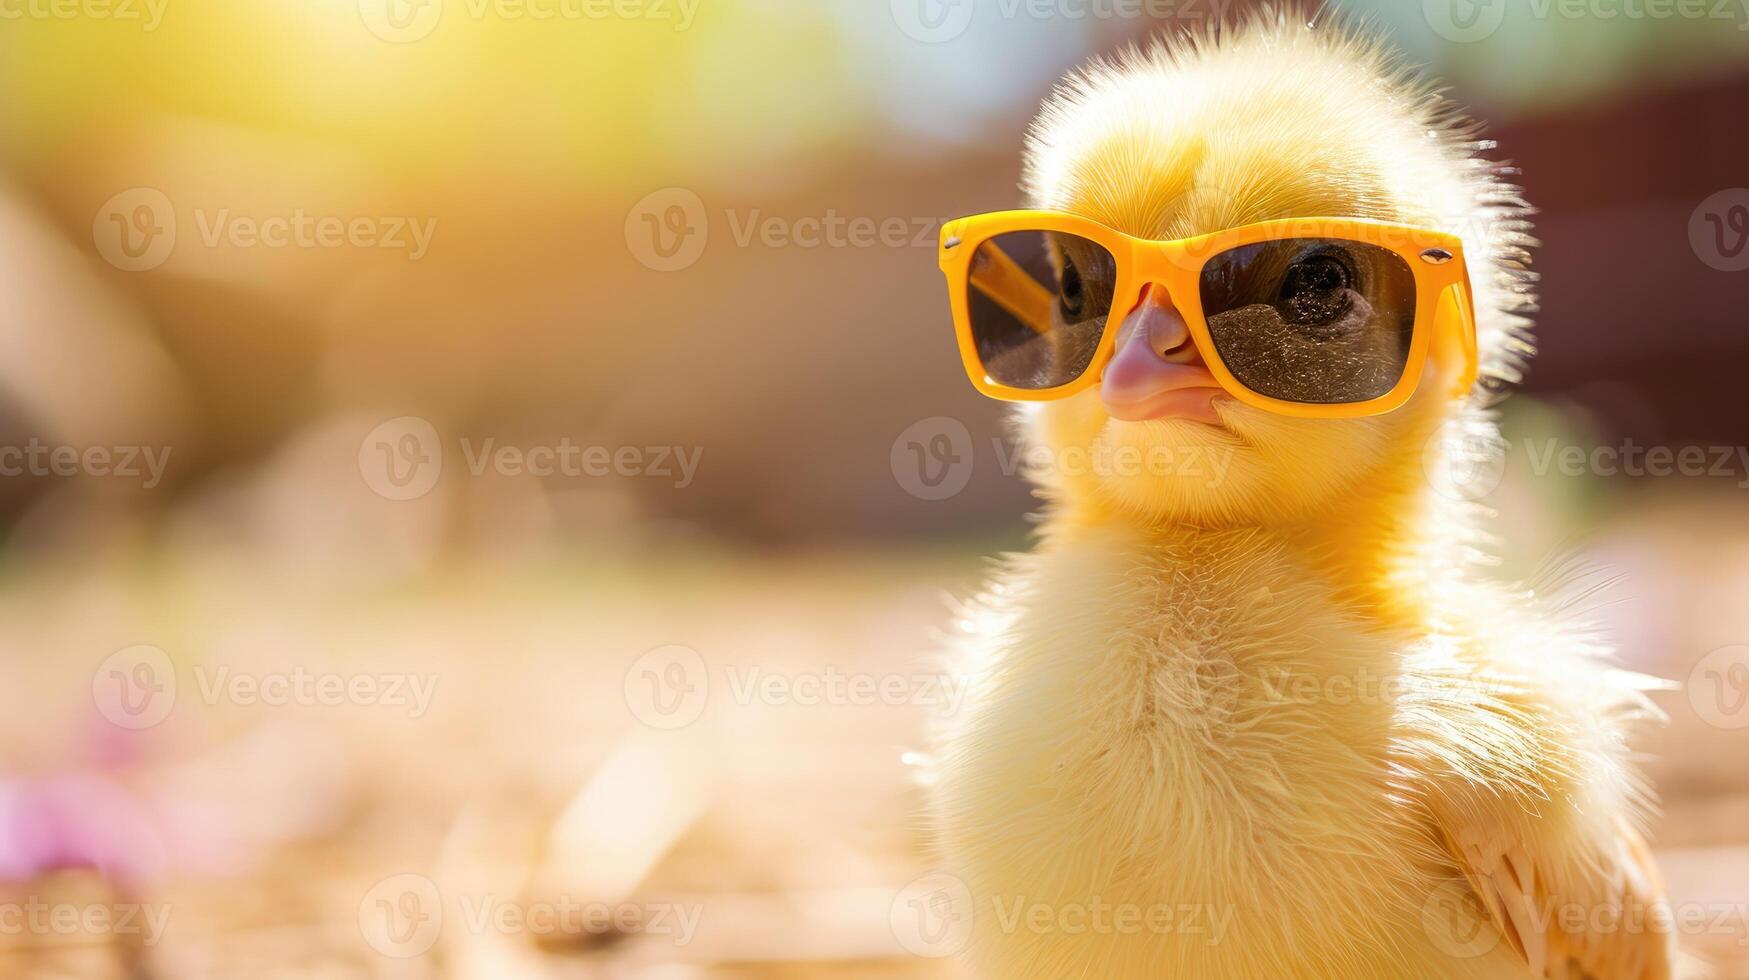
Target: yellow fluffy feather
x,y
1273,723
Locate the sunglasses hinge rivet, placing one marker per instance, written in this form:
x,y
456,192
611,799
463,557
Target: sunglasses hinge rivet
x,y
951,242
1436,256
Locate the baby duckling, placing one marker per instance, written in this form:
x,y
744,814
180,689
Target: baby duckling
x,y
1248,710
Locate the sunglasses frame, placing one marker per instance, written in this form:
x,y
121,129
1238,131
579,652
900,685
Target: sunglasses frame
x,y
1444,305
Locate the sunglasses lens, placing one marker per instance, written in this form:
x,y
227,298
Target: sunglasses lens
x,y
1315,320
1039,301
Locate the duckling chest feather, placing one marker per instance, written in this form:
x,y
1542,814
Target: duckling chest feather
x,y
1201,726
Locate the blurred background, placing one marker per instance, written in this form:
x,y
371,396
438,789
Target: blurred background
x,y
396,393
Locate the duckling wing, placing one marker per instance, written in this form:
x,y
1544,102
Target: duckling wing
x,y
1597,916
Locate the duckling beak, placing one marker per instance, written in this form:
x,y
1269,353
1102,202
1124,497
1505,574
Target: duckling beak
x,y
1157,372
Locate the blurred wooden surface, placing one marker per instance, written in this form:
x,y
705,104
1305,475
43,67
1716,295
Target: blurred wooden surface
x,y
810,821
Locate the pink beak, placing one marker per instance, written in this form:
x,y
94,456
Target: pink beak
x,y
1157,372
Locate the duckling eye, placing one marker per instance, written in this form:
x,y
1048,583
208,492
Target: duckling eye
x,y
1072,295
1316,290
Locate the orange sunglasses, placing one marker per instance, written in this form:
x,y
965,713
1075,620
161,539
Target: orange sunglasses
x,y
1312,317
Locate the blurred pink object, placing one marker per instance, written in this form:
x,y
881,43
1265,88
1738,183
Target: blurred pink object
x,y
135,817
78,820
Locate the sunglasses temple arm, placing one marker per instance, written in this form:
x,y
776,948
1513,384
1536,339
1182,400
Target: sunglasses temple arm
x,y
1457,336
1003,280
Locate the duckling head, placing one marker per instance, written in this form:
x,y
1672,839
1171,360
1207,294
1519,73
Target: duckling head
x,y
1272,119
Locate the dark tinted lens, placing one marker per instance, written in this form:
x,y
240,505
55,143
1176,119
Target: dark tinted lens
x,y
1039,301
1317,320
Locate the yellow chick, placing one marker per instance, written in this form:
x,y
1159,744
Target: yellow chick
x,y
1253,713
